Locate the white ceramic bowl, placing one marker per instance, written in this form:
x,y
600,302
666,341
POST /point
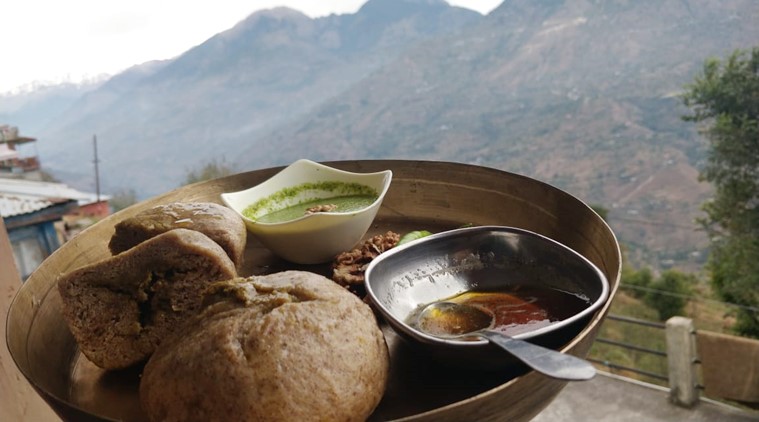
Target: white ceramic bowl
x,y
314,238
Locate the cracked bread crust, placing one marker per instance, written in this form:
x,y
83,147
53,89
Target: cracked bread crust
x,y
119,309
216,221
288,346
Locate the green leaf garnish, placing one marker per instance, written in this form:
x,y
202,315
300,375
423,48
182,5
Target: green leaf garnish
x,y
411,236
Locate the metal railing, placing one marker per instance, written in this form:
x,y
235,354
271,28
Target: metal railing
x,y
629,346
684,367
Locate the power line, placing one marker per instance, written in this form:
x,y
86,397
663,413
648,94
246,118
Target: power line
x,y
96,161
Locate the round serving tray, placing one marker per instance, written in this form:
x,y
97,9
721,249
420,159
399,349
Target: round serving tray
x,y
433,196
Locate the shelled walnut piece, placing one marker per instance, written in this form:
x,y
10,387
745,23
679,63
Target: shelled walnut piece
x,y
321,208
348,267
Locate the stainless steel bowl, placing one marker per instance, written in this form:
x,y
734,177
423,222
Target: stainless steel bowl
x,y
483,258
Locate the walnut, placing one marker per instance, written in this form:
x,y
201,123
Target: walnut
x,y
348,267
321,208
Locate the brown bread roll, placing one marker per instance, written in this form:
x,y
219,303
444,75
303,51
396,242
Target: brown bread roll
x,y
290,346
119,309
216,221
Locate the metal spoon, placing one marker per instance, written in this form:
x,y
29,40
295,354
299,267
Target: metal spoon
x,y
453,320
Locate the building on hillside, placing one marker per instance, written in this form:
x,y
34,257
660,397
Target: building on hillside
x,y
12,163
40,216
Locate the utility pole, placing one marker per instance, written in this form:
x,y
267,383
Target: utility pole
x,y
96,161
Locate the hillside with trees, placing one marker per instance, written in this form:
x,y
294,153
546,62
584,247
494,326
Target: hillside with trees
x,y
582,95
724,98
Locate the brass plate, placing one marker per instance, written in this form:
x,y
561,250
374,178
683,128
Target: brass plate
x,y
424,195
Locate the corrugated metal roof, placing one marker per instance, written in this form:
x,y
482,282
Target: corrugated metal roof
x,y
12,204
18,196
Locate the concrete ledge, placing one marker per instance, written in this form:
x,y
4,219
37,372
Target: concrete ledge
x,y
609,397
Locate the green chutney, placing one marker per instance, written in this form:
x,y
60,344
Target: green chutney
x,y
295,202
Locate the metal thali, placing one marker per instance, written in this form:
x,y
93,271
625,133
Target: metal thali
x,y
434,196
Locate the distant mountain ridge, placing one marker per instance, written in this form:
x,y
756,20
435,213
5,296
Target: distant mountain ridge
x,y
579,93
32,109
271,67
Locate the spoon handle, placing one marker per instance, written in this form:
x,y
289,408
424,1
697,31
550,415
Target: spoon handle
x,y
546,361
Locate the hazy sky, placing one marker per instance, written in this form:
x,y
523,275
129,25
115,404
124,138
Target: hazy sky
x,y
60,40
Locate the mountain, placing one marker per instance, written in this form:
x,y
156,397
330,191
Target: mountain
x,y
31,110
579,93
273,66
